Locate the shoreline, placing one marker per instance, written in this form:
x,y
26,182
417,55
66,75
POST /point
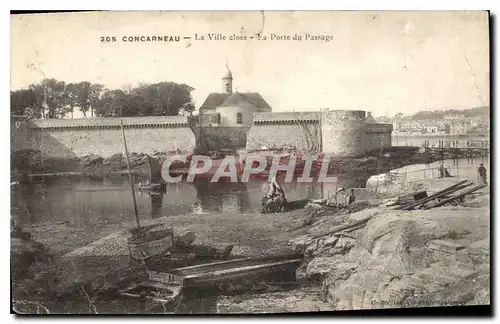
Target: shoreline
x,y
251,235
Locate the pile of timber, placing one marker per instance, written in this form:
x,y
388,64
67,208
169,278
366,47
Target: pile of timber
x,y
407,199
448,195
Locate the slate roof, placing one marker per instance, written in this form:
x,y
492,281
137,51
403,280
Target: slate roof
x,y
224,99
214,99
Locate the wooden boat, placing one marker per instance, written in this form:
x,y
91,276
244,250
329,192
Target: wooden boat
x,y
227,271
158,289
151,240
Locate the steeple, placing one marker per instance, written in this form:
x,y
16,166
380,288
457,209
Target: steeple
x,y
227,80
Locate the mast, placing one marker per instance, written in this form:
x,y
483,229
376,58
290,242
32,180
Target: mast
x,y
130,175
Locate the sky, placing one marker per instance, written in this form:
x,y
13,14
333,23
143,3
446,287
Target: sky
x,y
383,62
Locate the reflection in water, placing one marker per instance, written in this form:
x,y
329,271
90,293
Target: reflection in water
x,y
215,197
89,204
156,204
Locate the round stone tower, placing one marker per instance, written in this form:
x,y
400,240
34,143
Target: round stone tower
x,y
343,132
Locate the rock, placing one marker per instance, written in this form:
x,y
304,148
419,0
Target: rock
x,y
245,251
185,239
318,201
445,246
117,158
297,300
343,245
389,263
301,272
321,266
343,270
91,159
343,305
136,160
221,251
334,245
24,253
300,243
314,205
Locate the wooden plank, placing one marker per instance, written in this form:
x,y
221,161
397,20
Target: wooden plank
x,y
340,228
438,194
445,201
219,272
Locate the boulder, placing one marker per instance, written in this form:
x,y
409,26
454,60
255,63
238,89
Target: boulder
x,y
115,159
394,262
25,252
301,243
184,239
219,251
321,266
336,245
91,160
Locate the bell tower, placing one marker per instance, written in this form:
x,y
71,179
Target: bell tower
x,y
227,81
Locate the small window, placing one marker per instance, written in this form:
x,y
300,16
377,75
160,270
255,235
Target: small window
x,y
239,118
218,118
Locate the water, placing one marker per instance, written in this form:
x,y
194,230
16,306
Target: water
x,y
90,203
434,140
461,169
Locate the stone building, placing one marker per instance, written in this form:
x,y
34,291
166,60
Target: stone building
x,y
231,109
227,120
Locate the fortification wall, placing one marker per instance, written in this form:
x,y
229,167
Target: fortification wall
x,y
279,130
335,132
103,136
19,134
219,137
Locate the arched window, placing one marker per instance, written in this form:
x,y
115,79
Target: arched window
x,y
239,118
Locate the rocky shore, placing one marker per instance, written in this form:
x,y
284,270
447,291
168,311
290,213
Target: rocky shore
x,y
398,258
365,256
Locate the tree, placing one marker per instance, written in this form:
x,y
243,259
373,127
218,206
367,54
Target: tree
x,y
51,95
21,100
134,106
83,89
72,93
54,99
95,93
187,110
110,103
165,98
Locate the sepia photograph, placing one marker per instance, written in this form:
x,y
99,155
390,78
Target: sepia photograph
x,y
250,162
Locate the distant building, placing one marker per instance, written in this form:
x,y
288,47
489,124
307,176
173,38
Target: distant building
x,y
454,117
459,128
431,129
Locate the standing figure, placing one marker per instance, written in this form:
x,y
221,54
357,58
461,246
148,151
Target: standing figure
x,y
442,171
482,174
351,197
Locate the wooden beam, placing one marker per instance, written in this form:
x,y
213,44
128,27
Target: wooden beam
x,y
438,194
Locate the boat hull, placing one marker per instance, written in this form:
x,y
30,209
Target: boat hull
x,y
234,270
